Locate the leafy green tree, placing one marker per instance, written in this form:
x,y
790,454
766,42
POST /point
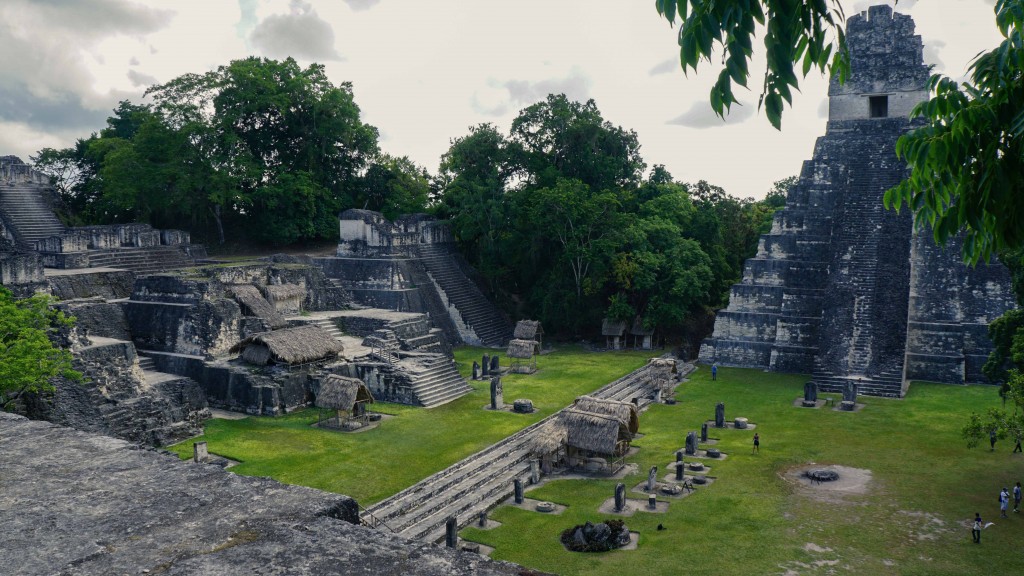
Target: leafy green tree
x,y
394,186
561,138
1004,423
28,359
805,34
271,126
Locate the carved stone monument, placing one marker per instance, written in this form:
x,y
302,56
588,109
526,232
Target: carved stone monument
x,y
720,415
495,367
485,365
652,479
451,532
680,466
199,452
534,470
497,395
482,519
850,390
517,485
620,497
652,501
476,370
704,432
811,391
691,443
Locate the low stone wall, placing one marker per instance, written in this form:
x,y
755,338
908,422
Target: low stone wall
x,y
114,509
109,285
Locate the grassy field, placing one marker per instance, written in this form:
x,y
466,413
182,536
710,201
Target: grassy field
x,y
372,465
912,519
925,485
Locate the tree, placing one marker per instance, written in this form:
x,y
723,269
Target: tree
x,y
284,138
966,161
808,34
394,186
28,359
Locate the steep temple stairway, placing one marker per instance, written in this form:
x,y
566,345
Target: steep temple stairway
x,y
26,213
476,311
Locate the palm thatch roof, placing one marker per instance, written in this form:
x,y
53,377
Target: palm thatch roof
x,y
254,304
528,330
597,433
342,393
523,349
613,327
548,438
625,412
297,345
276,292
637,329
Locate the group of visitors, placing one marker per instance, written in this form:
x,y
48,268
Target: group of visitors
x,y
1004,505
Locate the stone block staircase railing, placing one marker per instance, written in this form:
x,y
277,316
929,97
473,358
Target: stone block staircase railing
x,y
27,215
483,480
490,326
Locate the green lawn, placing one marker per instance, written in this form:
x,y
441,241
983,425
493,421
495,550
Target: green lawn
x,y
372,465
912,520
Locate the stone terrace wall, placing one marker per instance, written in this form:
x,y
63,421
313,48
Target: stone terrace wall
x,y
115,509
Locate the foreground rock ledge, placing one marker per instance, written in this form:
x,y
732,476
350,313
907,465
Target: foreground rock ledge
x,y
79,503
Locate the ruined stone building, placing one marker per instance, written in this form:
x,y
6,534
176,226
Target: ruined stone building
x,y
412,265
840,287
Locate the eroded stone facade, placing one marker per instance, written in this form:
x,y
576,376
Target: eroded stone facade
x,y
842,288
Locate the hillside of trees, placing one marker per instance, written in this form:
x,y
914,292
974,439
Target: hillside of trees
x,y
561,215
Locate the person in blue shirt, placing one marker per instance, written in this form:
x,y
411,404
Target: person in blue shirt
x,y
714,371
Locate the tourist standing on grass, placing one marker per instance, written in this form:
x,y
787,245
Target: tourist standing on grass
x,y
757,445
1004,502
714,371
1016,498
976,528
992,439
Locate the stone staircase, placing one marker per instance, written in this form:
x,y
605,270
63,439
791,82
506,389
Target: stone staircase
x,y
149,260
481,481
330,327
858,352
477,312
27,215
435,380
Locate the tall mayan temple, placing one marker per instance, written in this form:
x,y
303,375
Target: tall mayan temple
x,y
841,288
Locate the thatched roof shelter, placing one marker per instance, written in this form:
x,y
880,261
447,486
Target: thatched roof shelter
x,y
625,412
342,393
297,345
254,304
549,438
596,433
528,330
523,349
611,327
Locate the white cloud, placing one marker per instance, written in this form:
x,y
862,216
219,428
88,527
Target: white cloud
x,y
700,115
301,34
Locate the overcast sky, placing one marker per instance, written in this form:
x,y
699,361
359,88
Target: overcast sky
x,y
424,71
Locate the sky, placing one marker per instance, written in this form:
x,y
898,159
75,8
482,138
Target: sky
x,y
424,72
